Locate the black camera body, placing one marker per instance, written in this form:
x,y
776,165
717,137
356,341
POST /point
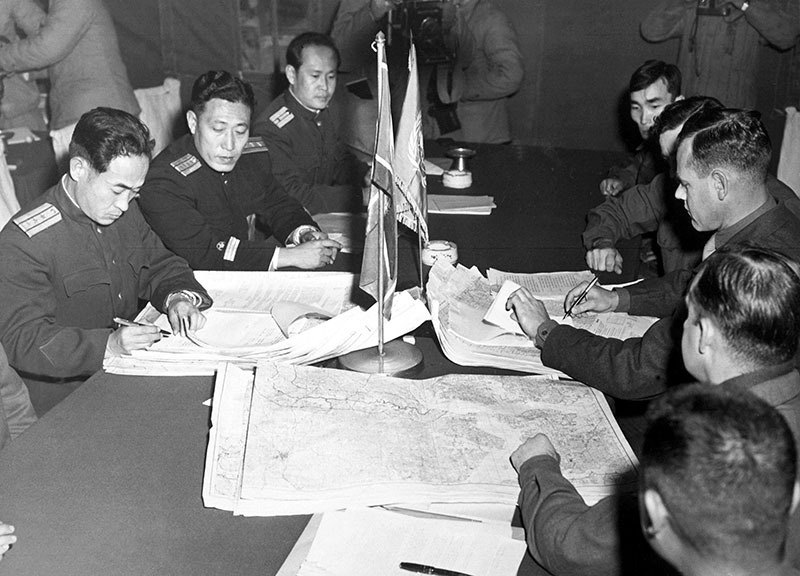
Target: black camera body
x,y
422,20
713,8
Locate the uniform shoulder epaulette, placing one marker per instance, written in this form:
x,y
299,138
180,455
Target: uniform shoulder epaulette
x,y
38,219
255,144
186,164
281,117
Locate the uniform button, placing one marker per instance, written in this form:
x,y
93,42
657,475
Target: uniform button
x,y
319,124
113,261
99,231
119,295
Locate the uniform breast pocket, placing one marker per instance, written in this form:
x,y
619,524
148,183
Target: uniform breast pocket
x,y
87,283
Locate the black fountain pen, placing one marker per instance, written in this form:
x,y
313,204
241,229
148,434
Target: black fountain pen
x,y
423,569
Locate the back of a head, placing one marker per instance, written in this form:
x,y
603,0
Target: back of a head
x,y
724,463
676,113
651,71
728,138
103,134
222,85
753,296
294,52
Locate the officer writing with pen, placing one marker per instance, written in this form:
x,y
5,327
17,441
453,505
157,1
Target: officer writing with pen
x,y
81,254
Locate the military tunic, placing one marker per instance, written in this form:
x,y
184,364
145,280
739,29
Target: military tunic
x,y
202,214
308,157
64,278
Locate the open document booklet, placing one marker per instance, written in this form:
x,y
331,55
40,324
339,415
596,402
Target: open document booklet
x,y
299,440
460,300
293,317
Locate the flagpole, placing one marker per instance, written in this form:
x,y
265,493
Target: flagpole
x,y
381,283
380,254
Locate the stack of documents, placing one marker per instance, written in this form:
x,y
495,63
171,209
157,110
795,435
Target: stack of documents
x,y
370,541
460,204
275,315
460,298
301,440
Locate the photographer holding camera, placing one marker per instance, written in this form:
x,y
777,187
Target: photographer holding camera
x,y
720,40
467,50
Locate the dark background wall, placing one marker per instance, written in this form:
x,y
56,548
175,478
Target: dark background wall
x,y
578,54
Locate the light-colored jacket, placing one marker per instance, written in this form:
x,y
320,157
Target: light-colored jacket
x,y
78,45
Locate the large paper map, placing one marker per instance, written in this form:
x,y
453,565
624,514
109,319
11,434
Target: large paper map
x,y
314,439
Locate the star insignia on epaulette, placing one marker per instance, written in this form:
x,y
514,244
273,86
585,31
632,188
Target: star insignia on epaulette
x,y
282,117
186,164
255,144
38,219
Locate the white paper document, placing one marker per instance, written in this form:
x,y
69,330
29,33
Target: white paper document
x,y
460,204
241,328
313,439
370,542
460,298
497,313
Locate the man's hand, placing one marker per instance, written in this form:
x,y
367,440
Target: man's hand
x,y
528,311
610,186
126,339
604,260
597,300
309,255
7,538
184,316
539,445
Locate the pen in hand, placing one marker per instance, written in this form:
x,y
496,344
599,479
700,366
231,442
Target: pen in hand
x,y
581,297
123,322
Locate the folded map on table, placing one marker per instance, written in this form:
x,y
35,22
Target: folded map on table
x,y
301,440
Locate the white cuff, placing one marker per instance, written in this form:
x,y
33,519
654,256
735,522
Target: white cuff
x,y
193,297
294,237
273,263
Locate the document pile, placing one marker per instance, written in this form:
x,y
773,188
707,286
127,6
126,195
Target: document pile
x,y
294,317
370,541
301,440
460,298
460,204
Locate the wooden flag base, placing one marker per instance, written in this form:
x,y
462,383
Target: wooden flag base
x,y
399,359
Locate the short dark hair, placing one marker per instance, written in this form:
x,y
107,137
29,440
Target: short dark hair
x,y
724,463
294,52
753,295
653,70
223,85
728,137
103,134
677,113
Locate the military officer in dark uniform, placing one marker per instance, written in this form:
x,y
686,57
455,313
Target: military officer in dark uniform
x,y
81,255
308,157
201,190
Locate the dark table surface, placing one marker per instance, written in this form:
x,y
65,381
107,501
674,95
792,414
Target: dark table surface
x,y
109,481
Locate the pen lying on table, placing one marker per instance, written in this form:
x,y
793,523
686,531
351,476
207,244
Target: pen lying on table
x,y
581,297
423,569
123,322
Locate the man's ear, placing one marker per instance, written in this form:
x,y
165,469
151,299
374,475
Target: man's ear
x,y
291,74
655,516
191,120
78,167
708,334
795,498
720,183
